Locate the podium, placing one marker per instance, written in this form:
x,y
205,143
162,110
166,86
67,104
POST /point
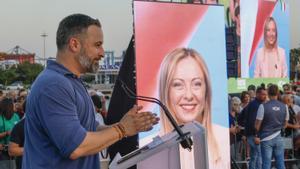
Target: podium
x,y
163,152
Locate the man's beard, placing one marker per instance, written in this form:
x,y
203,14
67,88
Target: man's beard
x,y
87,63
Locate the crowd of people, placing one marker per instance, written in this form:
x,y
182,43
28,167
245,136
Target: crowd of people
x,y
253,135
12,112
263,121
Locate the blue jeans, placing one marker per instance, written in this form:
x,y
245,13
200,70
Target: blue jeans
x,y
255,154
276,147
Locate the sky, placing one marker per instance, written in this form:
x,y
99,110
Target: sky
x,y
23,22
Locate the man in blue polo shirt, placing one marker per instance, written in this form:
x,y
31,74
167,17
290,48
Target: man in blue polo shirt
x,y
60,127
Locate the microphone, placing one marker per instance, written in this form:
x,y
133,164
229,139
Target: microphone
x,y
185,138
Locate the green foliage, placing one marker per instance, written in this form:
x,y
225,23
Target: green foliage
x,y
295,56
25,72
8,76
294,63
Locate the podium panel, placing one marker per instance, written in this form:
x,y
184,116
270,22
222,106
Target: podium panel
x,y
163,152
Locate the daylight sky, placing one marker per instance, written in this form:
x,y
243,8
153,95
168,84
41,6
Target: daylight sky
x,y
23,21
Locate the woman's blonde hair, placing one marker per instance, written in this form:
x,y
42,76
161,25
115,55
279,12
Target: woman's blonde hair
x,y
167,70
267,21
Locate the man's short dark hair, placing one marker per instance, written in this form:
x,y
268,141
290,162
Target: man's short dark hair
x,y
273,90
263,85
73,25
251,87
259,89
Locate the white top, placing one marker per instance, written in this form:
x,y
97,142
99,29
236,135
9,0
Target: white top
x,y
296,108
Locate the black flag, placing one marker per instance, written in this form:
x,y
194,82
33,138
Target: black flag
x,y
120,103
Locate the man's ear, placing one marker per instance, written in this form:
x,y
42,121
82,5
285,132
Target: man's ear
x,y
74,45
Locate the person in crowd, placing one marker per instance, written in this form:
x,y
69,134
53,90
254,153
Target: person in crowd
x,y
12,94
16,143
103,103
295,107
251,90
7,121
184,87
22,93
2,95
294,88
60,127
235,109
103,110
292,125
287,89
270,59
272,117
104,159
18,109
298,91
234,128
251,87
292,130
237,141
248,117
98,106
245,99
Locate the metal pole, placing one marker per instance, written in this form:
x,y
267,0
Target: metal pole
x,y
44,35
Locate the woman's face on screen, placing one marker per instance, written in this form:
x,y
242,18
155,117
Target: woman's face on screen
x,y
271,33
187,90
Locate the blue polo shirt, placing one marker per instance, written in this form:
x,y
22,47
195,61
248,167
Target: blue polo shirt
x,y
59,112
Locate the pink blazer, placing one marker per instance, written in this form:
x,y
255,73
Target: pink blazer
x,y
271,64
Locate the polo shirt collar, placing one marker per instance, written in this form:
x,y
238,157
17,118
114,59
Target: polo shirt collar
x,y
53,65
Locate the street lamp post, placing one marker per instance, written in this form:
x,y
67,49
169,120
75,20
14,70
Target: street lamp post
x,y
44,35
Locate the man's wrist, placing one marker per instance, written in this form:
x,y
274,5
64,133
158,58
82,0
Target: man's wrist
x,y
120,135
120,129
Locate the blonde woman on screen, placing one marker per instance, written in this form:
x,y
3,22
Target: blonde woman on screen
x,y
184,87
270,59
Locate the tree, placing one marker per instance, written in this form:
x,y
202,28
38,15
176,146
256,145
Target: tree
x,y
27,72
294,63
8,76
